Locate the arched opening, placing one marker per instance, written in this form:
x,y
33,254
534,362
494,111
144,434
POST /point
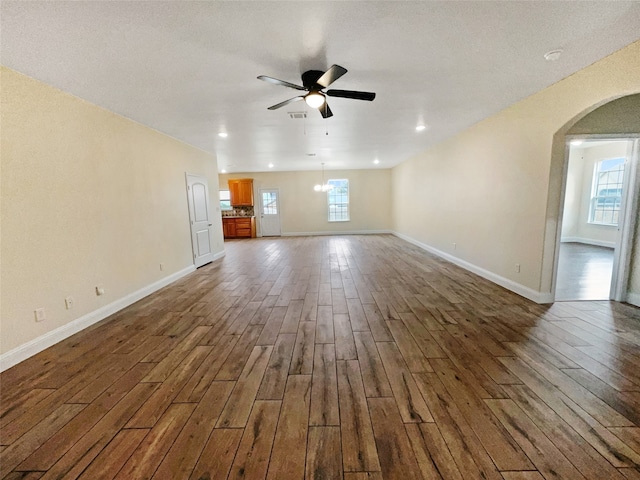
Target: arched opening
x,y
615,119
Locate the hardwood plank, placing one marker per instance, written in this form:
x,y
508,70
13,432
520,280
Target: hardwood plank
x,y
15,453
542,452
374,377
292,317
324,458
358,444
236,413
426,463
272,327
185,451
218,454
412,406
363,476
324,388
195,388
163,369
302,359
565,438
290,444
161,398
607,444
114,456
470,457
339,301
59,443
78,457
345,345
413,356
252,458
397,459
357,316
147,456
232,367
324,325
431,439
533,475
275,376
504,451
629,435
376,323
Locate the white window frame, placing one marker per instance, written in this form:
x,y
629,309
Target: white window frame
x,y
223,207
597,188
344,203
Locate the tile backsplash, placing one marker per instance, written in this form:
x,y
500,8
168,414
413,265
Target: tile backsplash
x,y
238,212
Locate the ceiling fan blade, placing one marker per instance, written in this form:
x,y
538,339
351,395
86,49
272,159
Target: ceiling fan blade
x,y
369,96
331,75
325,110
286,102
275,81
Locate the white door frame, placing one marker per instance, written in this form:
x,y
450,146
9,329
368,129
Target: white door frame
x,y
261,206
628,214
629,206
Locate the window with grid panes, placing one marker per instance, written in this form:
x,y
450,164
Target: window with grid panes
x,y
338,198
606,192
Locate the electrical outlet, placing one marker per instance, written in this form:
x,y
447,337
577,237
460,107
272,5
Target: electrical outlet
x,y
68,302
40,314
517,268
454,245
162,267
99,291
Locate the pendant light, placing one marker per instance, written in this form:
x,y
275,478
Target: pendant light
x,y
323,187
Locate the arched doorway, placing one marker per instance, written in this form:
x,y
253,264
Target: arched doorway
x,y
614,120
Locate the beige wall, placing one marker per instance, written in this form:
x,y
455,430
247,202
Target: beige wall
x,y
88,198
577,203
488,188
304,210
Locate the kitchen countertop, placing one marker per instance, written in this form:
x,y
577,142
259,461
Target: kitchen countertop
x,y
238,216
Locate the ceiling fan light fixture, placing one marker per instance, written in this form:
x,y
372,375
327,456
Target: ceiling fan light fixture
x,y
314,99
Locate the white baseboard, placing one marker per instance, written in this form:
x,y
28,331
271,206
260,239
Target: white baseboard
x,y
633,299
330,232
17,355
533,295
588,241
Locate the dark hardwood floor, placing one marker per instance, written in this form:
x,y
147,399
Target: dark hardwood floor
x,y
584,272
350,357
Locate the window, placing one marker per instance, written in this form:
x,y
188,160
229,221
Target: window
x,y
338,198
225,200
606,192
269,203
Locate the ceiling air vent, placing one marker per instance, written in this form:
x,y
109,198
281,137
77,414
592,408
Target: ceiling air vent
x,y
297,115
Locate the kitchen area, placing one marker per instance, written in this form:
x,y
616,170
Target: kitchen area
x,y
239,221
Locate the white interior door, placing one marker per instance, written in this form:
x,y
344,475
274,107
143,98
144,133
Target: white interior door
x,y
270,212
200,219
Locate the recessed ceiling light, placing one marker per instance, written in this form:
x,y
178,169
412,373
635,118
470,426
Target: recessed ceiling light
x,y
376,161
223,134
223,171
271,165
420,128
576,142
553,55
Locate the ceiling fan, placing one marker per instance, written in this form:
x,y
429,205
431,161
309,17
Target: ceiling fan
x,y
314,81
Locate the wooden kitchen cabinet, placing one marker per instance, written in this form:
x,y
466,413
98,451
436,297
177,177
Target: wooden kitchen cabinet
x,y
239,227
229,227
241,192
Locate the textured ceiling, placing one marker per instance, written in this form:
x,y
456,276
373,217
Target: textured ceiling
x,y
189,69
